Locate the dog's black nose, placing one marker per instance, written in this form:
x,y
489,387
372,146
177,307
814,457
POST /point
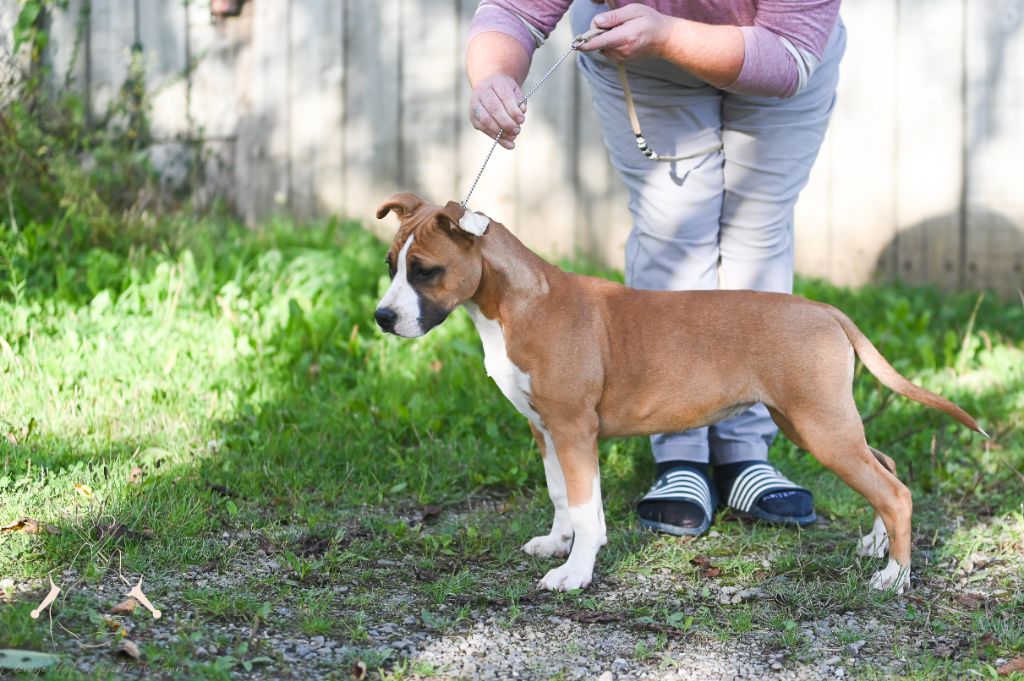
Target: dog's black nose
x,y
386,318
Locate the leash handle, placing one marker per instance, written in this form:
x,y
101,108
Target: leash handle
x,y
634,119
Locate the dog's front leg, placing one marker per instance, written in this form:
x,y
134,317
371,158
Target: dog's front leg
x,y
575,446
559,540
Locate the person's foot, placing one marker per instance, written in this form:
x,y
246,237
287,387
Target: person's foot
x,y
757,489
681,501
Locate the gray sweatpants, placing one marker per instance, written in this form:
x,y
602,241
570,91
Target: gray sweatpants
x,y
723,219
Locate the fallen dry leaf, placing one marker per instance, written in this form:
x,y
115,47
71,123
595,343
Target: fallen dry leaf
x,y
135,475
125,607
22,525
84,490
128,648
705,567
30,526
1014,665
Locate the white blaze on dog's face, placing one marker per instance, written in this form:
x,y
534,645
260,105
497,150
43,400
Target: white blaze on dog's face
x,y
434,264
401,298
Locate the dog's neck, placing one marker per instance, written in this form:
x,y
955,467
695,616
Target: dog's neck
x,y
510,272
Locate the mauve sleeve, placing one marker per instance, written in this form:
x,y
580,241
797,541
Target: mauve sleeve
x,y
784,46
529,22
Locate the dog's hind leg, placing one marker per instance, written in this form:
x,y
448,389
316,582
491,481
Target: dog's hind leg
x,y
834,434
876,542
786,426
559,540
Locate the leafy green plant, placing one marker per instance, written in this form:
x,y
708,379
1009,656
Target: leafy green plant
x,y
74,184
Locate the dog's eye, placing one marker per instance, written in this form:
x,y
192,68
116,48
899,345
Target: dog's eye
x,y
423,273
392,270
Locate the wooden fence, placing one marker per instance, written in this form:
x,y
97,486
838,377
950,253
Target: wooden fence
x,y
315,107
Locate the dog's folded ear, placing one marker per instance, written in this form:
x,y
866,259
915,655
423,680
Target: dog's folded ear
x,y
462,220
401,204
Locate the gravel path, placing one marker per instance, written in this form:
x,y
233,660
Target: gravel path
x,y
575,644
541,636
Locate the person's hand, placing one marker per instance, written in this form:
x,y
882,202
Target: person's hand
x,y
632,32
494,106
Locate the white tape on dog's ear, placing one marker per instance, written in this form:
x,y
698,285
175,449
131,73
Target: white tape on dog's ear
x,y
474,223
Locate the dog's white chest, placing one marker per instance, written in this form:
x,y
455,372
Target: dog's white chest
x,y
513,381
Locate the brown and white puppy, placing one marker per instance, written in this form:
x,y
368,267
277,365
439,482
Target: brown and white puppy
x,y
584,358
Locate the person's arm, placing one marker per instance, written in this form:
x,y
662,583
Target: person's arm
x,y
775,57
496,65
712,53
502,38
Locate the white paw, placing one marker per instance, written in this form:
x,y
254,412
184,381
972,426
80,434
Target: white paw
x,y
873,545
566,578
549,545
892,577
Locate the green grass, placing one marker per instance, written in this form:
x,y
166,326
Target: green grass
x,y
241,373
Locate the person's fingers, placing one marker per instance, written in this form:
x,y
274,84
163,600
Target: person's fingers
x,y
484,122
609,40
496,108
613,18
520,101
510,95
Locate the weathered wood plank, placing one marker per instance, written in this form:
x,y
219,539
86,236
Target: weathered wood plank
x,y
66,51
373,91
8,17
546,202
218,58
862,169
9,10
262,151
929,164
994,248
430,70
219,71
111,36
9,67
163,38
315,100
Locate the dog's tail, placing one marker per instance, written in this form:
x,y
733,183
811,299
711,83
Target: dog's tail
x,y
892,379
